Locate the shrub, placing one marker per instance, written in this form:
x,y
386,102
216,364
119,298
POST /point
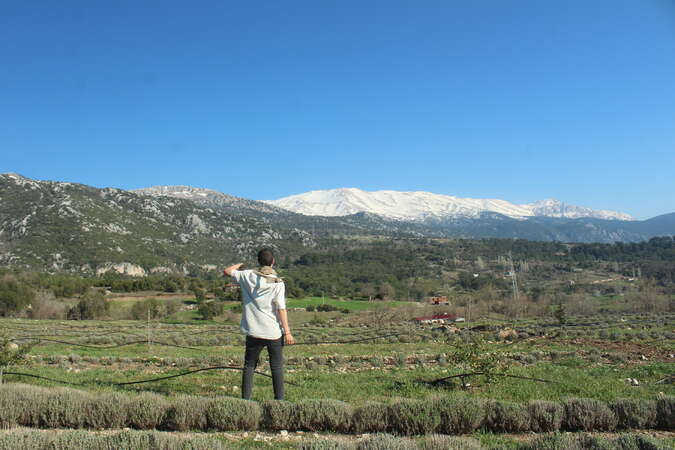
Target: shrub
x,y
370,418
210,309
326,308
545,416
400,360
665,411
323,415
64,408
14,295
324,444
632,441
584,414
44,306
385,442
309,308
410,417
147,411
632,413
187,412
24,404
154,308
84,440
566,441
460,415
17,405
506,417
228,413
108,410
278,415
444,442
92,305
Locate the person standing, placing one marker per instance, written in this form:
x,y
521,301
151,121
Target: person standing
x,y
264,320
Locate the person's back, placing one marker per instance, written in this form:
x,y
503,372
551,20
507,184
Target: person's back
x,y
263,320
261,300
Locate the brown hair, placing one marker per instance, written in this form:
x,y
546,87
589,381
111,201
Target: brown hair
x,y
265,257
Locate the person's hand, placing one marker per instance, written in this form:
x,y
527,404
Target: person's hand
x,y
228,270
288,339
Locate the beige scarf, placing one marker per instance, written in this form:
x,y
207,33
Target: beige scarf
x,y
268,274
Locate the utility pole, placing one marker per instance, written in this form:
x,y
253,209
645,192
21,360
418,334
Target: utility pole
x,y
514,282
149,331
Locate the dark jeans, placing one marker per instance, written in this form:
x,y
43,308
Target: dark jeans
x,y
274,349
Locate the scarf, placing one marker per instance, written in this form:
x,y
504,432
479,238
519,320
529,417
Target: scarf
x,y
268,274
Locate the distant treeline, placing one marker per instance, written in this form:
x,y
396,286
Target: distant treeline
x,y
385,269
413,268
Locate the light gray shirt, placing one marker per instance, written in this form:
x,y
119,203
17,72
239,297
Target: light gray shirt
x,y
261,301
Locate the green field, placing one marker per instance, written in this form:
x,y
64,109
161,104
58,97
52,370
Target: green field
x,y
364,361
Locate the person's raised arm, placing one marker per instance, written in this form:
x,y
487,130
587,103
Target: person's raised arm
x,y
228,270
283,317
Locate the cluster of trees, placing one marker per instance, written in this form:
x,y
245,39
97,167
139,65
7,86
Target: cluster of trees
x,y
14,295
403,269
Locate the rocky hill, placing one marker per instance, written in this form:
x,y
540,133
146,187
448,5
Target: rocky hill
x,y
72,227
67,226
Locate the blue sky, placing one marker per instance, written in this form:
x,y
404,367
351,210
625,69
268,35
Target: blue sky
x,y
518,100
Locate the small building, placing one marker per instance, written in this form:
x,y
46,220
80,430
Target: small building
x,y
436,318
438,300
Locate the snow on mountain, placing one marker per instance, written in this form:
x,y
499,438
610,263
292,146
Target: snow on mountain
x,y
426,205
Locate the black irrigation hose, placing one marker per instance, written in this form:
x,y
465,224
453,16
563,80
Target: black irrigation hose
x,y
75,344
506,375
42,378
144,381
470,374
195,371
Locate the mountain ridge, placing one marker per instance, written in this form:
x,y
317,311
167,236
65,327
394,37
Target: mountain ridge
x,y
421,205
57,226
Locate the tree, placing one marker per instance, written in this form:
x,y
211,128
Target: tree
x,y
200,294
386,291
14,296
560,314
150,307
209,310
92,305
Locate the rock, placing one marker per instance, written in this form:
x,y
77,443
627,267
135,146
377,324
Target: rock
x,y
12,347
507,333
124,268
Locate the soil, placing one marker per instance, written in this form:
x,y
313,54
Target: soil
x,y
633,351
298,436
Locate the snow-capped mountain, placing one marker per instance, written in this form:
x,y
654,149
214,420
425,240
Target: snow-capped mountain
x,y
426,205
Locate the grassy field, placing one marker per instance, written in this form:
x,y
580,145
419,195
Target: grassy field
x,y
358,362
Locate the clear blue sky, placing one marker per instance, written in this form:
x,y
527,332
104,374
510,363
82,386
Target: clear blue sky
x,y
519,100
